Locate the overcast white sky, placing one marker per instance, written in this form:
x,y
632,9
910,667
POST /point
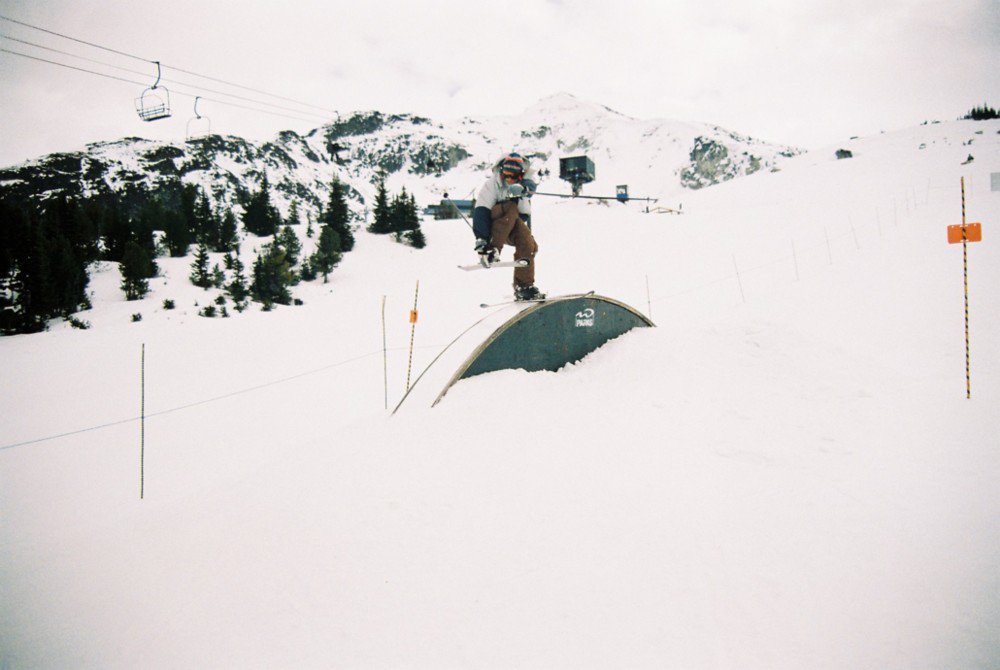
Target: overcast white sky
x,y
802,72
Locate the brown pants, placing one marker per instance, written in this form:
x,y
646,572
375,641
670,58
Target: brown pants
x,y
510,229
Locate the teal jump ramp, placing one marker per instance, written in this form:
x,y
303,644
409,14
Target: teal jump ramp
x,y
528,336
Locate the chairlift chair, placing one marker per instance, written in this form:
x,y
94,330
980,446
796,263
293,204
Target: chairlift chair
x,y
199,126
154,103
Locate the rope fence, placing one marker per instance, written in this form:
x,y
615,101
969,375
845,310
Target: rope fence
x,y
205,401
798,251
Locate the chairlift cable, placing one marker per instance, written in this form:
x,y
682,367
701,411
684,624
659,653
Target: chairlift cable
x,y
90,44
147,60
255,90
139,83
169,81
72,67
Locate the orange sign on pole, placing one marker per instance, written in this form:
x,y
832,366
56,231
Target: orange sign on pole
x,y
973,233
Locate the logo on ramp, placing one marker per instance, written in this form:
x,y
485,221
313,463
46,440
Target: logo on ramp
x,y
585,318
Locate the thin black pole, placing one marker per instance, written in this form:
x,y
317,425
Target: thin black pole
x,y
595,197
458,209
385,360
142,424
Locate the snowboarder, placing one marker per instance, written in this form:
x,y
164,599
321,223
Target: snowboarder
x,y
503,216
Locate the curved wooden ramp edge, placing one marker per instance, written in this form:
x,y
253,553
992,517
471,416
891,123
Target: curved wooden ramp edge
x,y
539,336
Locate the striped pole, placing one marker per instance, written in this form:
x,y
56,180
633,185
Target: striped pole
x,y
413,329
965,277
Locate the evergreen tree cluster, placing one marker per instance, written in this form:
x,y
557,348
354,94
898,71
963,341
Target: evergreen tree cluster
x,y
45,249
984,113
399,217
274,271
260,216
44,254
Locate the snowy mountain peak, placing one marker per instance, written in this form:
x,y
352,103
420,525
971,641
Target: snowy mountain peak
x,y
427,157
563,104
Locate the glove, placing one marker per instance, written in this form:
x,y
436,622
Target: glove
x,y
515,191
487,253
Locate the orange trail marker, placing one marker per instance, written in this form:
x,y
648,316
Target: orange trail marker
x,y
973,233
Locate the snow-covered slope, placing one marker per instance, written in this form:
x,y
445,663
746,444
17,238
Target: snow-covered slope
x,y
785,473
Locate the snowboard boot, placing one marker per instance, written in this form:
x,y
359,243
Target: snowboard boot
x,y
523,293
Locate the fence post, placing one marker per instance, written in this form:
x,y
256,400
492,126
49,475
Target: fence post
x,y
385,359
142,423
649,303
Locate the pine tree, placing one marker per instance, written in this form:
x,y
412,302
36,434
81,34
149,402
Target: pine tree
x,y
206,223
188,211
307,272
134,270
218,276
289,241
228,233
62,277
116,230
237,287
309,228
200,274
17,259
338,215
261,217
293,214
382,223
406,220
412,214
271,277
415,238
396,214
77,225
175,226
149,219
327,253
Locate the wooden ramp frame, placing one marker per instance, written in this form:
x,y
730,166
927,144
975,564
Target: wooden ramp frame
x,y
543,336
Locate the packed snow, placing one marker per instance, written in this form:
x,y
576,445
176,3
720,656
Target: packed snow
x,y
784,473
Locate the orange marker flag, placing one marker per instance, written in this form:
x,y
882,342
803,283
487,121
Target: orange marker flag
x,y
973,233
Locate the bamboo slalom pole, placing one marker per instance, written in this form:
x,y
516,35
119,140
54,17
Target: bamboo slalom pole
x,y
413,329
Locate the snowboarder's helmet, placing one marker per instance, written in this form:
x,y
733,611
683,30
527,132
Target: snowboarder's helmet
x,y
512,166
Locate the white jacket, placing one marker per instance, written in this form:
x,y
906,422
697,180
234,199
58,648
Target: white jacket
x,y
495,188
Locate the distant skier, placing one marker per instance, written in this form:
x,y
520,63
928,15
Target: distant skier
x,y
503,216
